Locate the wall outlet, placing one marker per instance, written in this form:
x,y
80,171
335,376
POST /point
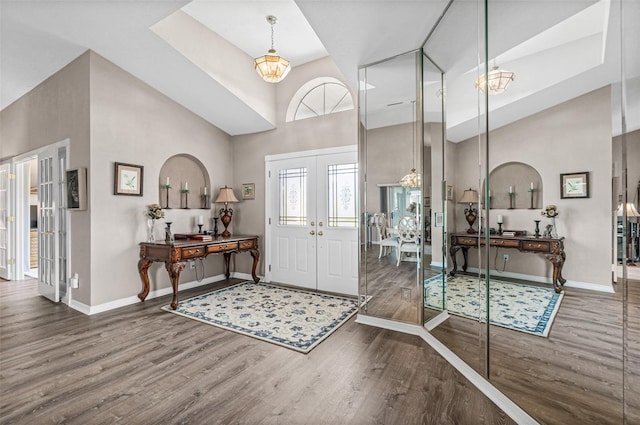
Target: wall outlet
x,y
192,265
505,257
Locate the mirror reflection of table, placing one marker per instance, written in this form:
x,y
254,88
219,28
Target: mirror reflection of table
x,y
176,254
551,248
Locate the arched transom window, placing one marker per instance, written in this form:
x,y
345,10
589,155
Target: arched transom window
x,y
320,96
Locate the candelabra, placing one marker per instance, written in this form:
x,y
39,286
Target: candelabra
x,y
537,234
531,191
199,228
186,198
167,187
511,199
215,226
204,197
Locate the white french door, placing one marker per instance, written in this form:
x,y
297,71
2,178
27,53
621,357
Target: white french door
x,y
312,221
49,199
5,222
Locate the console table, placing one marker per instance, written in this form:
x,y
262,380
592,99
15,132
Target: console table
x,y
551,248
176,254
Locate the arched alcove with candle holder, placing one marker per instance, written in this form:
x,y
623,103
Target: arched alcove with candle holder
x,y
184,183
515,185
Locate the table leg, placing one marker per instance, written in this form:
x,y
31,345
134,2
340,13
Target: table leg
x,y
556,260
561,279
465,255
174,270
227,259
452,253
143,267
256,256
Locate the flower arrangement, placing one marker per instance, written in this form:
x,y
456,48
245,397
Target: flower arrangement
x,y
550,211
154,212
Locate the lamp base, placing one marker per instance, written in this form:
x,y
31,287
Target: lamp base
x,y
225,218
471,214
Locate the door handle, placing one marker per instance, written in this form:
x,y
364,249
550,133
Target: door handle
x,y
312,232
320,233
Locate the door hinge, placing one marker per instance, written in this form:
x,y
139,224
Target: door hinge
x,y
269,173
269,267
11,176
11,218
11,261
269,220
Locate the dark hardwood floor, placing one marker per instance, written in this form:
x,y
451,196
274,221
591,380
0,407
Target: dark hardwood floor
x,y
575,376
140,365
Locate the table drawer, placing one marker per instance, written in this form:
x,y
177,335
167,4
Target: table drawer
x,y
507,243
247,244
535,246
224,247
465,241
193,252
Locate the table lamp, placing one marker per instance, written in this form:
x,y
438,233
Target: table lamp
x,y
470,197
226,195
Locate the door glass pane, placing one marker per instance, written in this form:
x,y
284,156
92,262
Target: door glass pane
x,y
342,195
292,197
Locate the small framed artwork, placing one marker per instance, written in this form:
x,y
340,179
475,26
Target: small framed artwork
x,y
249,191
574,185
76,180
127,179
449,195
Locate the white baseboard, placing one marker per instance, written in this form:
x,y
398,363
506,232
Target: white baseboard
x,y
498,398
437,264
440,318
545,279
100,308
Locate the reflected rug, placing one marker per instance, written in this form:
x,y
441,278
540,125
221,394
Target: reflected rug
x,y
525,308
292,318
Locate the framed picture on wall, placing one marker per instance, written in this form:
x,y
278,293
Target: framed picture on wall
x,y
574,185
249,191
76,180
127,179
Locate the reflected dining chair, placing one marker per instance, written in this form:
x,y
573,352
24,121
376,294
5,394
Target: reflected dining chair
x,y
409,238
387,240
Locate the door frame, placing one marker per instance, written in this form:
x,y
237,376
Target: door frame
x,y
268,202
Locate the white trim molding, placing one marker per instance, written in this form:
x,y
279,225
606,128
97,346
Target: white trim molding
x,y
101,308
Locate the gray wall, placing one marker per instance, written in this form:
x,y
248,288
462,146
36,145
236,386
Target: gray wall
x,y
57,109
571,137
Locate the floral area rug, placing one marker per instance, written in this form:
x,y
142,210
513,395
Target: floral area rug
x,y
516,306
292,318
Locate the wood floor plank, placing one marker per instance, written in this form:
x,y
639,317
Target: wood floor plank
x,y
141,365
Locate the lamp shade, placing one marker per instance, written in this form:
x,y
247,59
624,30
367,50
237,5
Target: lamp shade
x,y
469,196
271,67
226,196
630,209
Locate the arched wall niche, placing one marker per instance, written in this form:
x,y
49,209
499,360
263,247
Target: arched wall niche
x,y
518,177
183,169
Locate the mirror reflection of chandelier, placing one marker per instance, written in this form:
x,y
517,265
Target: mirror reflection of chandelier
x,y
497,81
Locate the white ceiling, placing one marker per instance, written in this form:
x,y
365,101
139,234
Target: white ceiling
x,y
560,42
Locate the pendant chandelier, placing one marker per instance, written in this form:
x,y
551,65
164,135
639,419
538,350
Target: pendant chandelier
x,y
497,81
413,179
271,67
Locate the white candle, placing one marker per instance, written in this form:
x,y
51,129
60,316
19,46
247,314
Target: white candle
x,y
200,219
167,181
510,189
531,185
500,218
186,185
205,190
